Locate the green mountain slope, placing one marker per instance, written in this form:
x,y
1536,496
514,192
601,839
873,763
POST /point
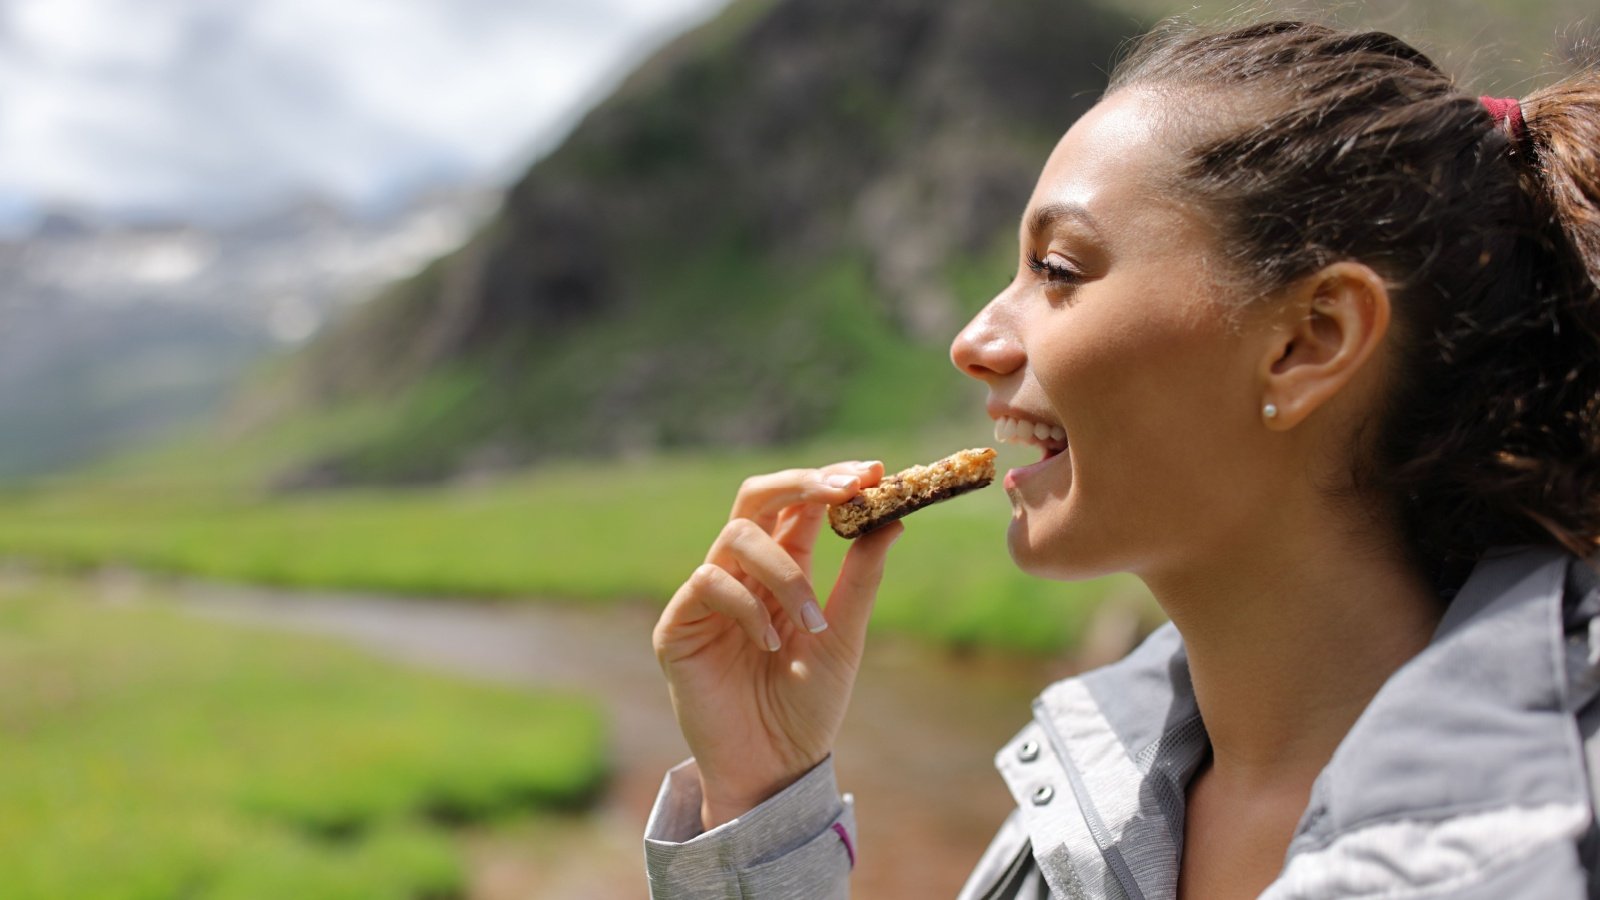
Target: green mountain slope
x,y
771,230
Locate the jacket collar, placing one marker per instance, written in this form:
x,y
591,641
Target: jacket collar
x,y
1468,753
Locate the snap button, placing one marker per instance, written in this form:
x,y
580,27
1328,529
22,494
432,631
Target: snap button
x,y
1042,794
1029,751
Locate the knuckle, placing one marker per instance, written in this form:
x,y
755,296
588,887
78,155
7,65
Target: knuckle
x,y
758,483
793,580
703,579
741,532
767,481
728,534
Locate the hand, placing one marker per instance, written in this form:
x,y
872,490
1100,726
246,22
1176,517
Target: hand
x,y
760,677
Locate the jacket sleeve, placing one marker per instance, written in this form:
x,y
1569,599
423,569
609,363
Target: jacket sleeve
x,y
800,843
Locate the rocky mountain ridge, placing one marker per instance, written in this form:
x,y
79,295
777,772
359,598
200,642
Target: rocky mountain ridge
x,y
719,251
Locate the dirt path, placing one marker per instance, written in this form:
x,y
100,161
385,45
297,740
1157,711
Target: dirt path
x,y
916,749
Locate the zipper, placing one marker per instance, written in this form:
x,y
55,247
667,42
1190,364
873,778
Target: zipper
x,y
1091,816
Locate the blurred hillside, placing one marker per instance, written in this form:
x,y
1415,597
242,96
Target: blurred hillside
x,y
768,232
188,188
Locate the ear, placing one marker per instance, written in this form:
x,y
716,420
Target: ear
x,y
1330,325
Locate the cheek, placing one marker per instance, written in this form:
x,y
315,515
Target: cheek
x,y
1131,384
1151,409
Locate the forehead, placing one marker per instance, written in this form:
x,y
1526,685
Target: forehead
x,y
1118,162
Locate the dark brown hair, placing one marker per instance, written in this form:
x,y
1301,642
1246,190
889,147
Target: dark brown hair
x,y
1315,145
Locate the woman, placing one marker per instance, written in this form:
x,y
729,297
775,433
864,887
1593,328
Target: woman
x,y
1323,333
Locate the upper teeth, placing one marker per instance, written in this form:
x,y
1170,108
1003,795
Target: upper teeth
x,y
1022,431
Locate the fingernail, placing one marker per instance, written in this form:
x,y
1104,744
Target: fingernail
x,y
870,463
841,481
771,638
811,615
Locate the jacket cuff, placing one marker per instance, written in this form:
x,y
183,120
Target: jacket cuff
x,y
798,843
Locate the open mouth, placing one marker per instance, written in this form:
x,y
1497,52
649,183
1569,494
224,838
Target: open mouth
x,y
1051,439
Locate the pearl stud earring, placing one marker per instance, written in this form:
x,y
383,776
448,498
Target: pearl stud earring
x,y
1269,411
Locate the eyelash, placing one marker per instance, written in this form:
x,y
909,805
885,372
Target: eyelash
x,y
1054,274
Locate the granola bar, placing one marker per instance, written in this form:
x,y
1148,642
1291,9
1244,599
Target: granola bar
x,y
906,492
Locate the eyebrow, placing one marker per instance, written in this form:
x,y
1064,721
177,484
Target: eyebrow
x,y
1051,213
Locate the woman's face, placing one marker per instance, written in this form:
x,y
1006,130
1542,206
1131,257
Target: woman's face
x,y
1112,343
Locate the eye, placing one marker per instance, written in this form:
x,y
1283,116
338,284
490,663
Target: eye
x,y
1053,271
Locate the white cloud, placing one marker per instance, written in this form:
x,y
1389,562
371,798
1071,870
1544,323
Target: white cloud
x,y
210,106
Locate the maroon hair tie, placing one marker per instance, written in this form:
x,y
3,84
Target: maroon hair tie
x,y
1507,111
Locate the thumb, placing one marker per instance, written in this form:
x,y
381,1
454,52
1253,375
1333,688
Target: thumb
x,y
850,603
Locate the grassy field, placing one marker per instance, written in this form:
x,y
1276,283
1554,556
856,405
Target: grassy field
x,y
150,755
590,533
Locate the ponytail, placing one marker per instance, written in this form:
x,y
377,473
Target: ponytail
x,y
1563,129
1558,158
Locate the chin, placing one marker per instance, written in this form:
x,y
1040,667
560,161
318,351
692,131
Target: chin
x,y
1055,557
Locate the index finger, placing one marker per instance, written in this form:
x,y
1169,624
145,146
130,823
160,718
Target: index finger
x,y
762,497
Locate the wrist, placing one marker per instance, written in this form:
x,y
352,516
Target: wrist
x,y
721,802
720,808
713,814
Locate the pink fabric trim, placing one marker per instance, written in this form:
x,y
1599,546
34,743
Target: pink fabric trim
x,y
848,847
1507,110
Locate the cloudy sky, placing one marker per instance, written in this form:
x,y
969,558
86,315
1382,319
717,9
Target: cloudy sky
x,y
212,107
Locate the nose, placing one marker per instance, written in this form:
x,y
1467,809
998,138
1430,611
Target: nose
x,y
989,347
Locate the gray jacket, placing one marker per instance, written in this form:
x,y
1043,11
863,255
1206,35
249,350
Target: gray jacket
x,y
1466,776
